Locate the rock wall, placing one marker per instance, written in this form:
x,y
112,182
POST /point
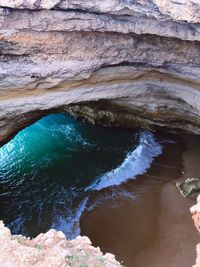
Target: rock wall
x,y
131,63
195,210
51,249
135,61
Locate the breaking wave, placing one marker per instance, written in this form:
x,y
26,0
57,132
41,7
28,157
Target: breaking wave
x,y
137,162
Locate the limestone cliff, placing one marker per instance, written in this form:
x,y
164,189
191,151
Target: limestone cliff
x,y
195,210
115,62
51,249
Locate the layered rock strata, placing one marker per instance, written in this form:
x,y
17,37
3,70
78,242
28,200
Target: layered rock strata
x,y
115,62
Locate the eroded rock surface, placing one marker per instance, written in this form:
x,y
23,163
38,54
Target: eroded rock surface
x,y
190,187
138,60
195,210
51,249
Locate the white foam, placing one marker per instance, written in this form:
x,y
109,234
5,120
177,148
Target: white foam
x,y
111,200
135,163
69,224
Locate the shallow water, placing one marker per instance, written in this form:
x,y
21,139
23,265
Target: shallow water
x,y
149,224
50,170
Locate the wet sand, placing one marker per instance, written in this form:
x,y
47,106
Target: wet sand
x,y
155,229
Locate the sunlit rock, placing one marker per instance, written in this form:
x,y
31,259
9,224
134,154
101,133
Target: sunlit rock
x,y
195,210
50,249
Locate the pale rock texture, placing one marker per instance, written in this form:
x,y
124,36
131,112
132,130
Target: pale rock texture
x,y
128,63
195,210
180,9
51,249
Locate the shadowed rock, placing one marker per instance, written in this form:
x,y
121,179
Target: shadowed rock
x,y
190,187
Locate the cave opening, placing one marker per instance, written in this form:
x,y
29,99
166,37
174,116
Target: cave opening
x,y
47,167
111,184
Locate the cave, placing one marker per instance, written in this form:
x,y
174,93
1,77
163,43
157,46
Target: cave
x,y
111,183
125,75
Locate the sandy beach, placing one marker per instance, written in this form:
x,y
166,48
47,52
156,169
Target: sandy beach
x,y
156,228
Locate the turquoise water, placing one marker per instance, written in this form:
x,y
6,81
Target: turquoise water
x,y
49,169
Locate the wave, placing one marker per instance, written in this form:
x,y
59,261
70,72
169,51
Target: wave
x,y
70,224
137,162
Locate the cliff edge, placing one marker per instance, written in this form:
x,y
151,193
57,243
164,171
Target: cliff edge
x,y
195,210
51,249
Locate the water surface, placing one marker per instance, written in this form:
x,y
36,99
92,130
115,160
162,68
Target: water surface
x,y
50,169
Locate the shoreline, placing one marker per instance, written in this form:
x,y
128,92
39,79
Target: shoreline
x,y
175,222
156,229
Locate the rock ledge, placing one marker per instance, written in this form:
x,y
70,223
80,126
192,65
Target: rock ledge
x,y
51,249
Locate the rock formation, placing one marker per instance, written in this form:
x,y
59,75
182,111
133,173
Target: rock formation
x,y
190,187
195,210
51,249
115,62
